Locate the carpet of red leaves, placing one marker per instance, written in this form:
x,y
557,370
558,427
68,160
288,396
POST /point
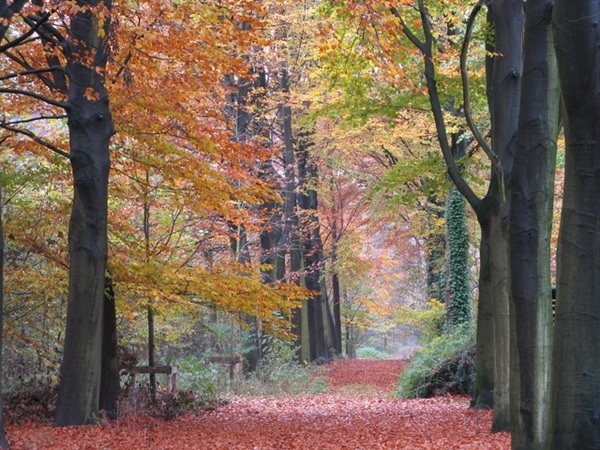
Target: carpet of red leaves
x,y
356,413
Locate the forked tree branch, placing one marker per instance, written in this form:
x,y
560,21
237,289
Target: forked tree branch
x,y
466,91
35,26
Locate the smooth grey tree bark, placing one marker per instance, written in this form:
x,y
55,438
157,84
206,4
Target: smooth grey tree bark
x,y
491,210
531,191
575,383
90,128
507,18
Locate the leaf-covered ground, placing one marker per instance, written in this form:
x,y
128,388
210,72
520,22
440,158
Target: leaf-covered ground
x,y
355,413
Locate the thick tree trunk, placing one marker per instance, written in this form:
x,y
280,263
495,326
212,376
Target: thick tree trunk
x,y
90,129
575,379
499,276
507,17
531,198
483,395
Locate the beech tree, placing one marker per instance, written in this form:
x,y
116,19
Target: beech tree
x,y
81,83
575,405
90,128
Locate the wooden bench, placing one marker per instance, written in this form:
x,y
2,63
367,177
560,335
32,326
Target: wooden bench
x,y
169,371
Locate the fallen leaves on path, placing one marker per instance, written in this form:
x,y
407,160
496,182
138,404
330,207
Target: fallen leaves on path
x,y
322,421
382,374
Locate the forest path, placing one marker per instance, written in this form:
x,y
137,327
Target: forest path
x,y
356,412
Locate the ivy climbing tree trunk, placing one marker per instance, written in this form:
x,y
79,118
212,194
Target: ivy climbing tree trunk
x,y
575,379
458,301
90,128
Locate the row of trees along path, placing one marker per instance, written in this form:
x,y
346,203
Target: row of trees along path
x,y
356,412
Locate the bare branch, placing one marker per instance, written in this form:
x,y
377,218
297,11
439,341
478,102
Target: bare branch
x,y
30,134
34,119
24,36
31,72
466,91
43,98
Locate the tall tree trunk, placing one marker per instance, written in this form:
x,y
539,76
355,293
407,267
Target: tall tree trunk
x,y
110,384
290,238
483,394
335,284
507,18
90,128
3,441
575,378
322,340
435,250
149,310
531,191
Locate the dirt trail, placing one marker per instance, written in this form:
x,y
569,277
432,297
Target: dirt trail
x,y
357,412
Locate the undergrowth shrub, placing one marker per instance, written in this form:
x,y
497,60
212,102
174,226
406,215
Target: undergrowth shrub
x,y
279,372
207,380
36,403
371,353
444,366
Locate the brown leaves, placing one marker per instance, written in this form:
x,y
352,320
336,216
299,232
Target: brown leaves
x,y
324,421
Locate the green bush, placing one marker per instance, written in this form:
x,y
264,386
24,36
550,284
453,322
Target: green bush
x,y
204,379
444,366
279,373
371,353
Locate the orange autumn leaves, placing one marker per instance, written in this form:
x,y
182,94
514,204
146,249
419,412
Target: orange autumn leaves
x,y
343,418
173,152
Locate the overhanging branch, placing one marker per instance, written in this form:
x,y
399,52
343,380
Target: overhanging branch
x,y
31,72
43,98
35,26
30,134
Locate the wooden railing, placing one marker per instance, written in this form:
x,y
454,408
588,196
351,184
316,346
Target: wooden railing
x,y
169,371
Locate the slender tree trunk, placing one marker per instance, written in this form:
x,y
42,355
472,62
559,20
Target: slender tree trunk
x,y
3,440
149,310
435,251
337,309
90,129
531,198
575,379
